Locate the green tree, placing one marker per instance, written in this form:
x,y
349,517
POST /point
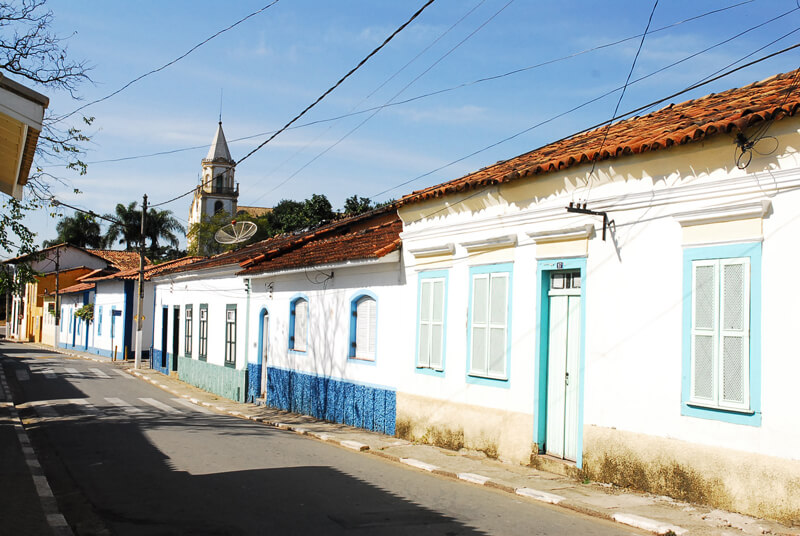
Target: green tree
x,y
358,205
126,227
80,229
288,215
30,51
161,225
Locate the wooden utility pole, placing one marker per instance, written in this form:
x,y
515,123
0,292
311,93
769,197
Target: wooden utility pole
x,y
55,301
140,301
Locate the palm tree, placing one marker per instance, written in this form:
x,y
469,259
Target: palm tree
x,y
80,230
160,224
126,226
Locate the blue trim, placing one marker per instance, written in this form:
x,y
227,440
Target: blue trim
x,y
543,269
331,399
351,350
727,251
126,323
472,378
432,274
292,318
262,315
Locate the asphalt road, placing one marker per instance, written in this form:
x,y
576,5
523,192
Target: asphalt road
x,y
124,457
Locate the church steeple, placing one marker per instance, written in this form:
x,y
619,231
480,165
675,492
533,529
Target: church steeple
x,y
217,191
219,148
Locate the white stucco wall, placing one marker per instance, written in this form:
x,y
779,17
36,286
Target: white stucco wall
x,y
217,289
329,321
634,292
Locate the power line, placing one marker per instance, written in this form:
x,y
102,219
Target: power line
x,y
598,125
198,45
621,96
373,114
325,94
440,91
367,97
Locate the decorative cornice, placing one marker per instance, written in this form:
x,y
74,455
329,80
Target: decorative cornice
x,y
718,214
497,242
434,251
562,235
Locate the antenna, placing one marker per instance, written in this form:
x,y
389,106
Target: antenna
x,y
235,232
220,105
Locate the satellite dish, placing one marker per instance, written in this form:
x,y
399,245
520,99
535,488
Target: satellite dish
x,y
235,232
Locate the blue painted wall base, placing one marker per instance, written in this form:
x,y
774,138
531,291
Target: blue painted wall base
x,y
253,381
155,363
333,400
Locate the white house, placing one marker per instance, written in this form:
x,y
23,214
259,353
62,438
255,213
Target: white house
x,y
298,320
622,319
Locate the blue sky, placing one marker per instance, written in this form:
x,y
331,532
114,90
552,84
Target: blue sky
x,y
273,65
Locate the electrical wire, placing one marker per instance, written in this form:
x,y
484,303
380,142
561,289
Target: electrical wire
x,y
423,73
310,106
367,97
439,91
713,77
588,129
195,47
619,101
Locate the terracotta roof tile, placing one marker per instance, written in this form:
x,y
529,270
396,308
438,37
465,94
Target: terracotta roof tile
x,y
78,287
149,271
269,248
122,260
731,111
369,243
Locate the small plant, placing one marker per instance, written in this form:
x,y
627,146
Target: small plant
x,y
86,312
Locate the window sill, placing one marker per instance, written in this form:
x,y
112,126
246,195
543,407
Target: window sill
x,y
299,352
230,365
700,405
479,379
362,359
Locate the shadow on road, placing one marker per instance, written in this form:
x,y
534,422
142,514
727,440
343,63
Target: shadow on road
x,y
135,488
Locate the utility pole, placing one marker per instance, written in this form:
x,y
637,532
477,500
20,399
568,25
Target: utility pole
x,y
55,301
140,301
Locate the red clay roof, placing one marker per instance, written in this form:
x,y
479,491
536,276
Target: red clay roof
x,y
122,260
731,111
369,243
253,253
78,287
149,271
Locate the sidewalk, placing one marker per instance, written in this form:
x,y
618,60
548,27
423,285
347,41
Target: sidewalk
x,y
652,513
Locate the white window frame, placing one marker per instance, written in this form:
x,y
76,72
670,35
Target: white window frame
x,y
718,333
489,273
425,355
365,327
299,343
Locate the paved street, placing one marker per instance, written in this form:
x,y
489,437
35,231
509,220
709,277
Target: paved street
x,y
125,457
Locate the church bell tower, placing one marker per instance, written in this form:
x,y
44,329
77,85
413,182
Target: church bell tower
x,y
217,191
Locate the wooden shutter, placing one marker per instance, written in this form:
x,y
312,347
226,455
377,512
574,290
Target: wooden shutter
x,y
704,329
734,333
424,342
480,321
437,325
498,312
365,328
